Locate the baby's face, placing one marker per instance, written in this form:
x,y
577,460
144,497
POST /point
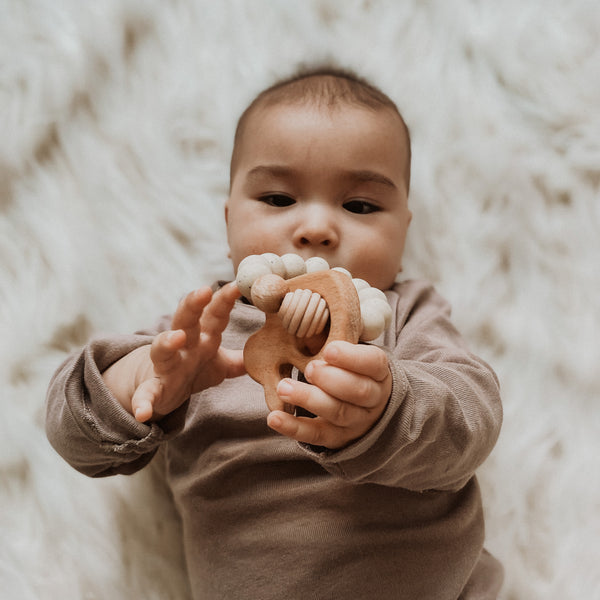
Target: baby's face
x,y
322,182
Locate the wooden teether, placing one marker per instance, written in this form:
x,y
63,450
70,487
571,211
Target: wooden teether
x,y
300,298
272,352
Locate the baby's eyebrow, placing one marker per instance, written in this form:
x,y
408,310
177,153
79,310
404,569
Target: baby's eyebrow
x,y
270,171
283,172
370,177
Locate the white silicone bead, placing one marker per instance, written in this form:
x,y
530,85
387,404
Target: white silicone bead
x,y
315,264
251,258
373,323
371,292
342,270
294,265
360,284
382,306
275,262
387,315
248,272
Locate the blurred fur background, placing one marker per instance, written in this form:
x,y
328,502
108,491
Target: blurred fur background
x,y
116,122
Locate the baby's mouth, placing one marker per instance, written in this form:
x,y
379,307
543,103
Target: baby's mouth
x,y
306,256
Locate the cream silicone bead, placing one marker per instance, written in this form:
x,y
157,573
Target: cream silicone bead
x,y
375,312
342,270
316,263
373,322
294,265
252,258
371,292
256,265
276,264
249,270
360,284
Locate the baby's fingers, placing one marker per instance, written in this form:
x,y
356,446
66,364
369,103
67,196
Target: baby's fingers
x,y
362,359
144,399
190,309
313,431
164,351
215,317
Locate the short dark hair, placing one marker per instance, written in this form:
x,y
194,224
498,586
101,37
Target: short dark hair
x,y
325,86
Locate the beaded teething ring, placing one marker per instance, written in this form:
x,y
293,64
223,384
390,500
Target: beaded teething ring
x,y
300,299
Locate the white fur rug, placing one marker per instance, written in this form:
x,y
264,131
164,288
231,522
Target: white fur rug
x,y
116,127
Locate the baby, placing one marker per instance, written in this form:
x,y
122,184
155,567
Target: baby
x,y
368,490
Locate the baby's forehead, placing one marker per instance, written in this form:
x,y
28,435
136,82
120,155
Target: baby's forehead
x,y
310,107
252,125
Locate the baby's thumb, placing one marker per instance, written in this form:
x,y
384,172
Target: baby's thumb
x,y
144,398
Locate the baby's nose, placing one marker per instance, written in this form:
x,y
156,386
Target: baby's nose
x,y
316,227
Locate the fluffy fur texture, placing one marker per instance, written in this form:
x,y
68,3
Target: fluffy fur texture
x,y
116,126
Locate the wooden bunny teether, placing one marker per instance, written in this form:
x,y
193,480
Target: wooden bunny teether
x,y
298,308
272,352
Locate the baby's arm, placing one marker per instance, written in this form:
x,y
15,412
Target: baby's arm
x,y
439,423
94,431
152,381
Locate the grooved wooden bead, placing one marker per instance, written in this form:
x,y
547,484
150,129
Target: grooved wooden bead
x,y
303,313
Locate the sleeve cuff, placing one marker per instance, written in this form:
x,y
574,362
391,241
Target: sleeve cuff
x,y
103,416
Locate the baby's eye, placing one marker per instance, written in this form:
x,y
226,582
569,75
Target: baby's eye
x,y
360,207
277,200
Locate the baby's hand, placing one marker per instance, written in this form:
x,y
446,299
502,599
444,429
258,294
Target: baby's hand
x,y
347,391
189,358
